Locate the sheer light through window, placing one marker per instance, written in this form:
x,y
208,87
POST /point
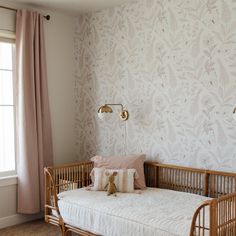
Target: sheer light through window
x,y
7,110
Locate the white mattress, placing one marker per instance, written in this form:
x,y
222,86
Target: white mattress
x,y
154,212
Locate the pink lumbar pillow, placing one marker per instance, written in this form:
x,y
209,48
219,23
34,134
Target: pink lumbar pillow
x,y
127,162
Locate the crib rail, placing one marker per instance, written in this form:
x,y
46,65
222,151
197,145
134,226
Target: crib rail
x,y
220,183
176,178
215,217
192,180
59,179
226,215
201,221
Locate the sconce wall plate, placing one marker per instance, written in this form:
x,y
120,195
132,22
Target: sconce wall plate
x,y
124,115
105,109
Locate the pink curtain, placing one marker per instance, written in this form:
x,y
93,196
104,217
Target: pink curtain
x,y
34,138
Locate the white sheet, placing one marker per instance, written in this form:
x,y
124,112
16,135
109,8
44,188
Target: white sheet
x,y
154,212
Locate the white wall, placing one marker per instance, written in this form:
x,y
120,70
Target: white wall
x,y
173,65
60,63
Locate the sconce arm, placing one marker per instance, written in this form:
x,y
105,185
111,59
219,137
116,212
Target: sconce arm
x,y
115,104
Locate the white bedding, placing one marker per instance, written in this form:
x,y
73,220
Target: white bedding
x,y
154,212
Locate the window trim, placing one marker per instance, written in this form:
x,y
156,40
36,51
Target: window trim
x,y
7,36
10,173
6,174
8,181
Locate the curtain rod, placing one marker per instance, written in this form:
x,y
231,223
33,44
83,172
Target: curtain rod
x,y
47,17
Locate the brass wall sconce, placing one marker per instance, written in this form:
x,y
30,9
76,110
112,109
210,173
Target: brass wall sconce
x,y
106,109
234,113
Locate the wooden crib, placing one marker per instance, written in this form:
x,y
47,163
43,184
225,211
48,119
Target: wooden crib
x,y
221,186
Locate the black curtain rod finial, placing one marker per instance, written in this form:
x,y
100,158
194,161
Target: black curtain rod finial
x,y
47,17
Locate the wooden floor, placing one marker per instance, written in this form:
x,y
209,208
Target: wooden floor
x,y
34,228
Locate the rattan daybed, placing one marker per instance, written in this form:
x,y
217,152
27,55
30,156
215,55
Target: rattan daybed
x,y
215,215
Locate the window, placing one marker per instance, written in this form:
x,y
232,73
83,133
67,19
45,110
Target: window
x,y
7,109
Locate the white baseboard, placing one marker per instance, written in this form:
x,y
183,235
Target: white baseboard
x,y
17,219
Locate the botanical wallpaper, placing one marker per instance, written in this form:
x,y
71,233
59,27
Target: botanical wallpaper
x,y
172,64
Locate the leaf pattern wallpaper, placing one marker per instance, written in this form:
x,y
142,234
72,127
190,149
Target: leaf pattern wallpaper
x,y
172,64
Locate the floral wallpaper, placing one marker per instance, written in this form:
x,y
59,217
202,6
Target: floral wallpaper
x,y
172,64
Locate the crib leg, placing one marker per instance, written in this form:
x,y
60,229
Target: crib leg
x,y
68,233
63,231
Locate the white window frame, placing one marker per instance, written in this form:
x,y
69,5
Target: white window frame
x,y
12,173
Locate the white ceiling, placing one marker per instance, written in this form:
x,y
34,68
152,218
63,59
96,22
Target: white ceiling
x,y
73,6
